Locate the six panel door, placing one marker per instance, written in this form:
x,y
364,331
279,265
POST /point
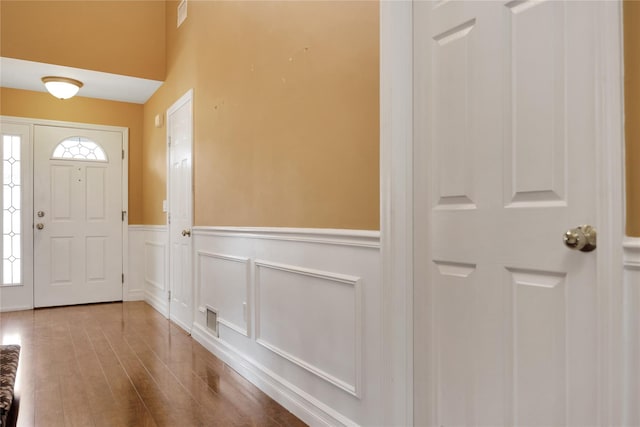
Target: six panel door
x,y
77,216
505,328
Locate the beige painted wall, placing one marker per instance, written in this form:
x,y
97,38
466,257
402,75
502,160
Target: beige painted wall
x,y
632,113
286,105
286,113
120,37
22,103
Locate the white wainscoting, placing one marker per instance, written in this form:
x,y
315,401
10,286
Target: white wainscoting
x,y
226,291
299,314
631,333
148,266
134,285
314,294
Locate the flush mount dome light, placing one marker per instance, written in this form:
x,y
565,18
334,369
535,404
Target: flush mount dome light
x,y
61,87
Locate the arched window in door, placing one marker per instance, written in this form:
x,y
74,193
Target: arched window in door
x,y
79,148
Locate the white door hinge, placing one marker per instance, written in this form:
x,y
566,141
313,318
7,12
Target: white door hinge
x,y
123,154
169,296
123,215
123,278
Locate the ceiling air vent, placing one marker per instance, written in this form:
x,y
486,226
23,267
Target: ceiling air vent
x,y
182,12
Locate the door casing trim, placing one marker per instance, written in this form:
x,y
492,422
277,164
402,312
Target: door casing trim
x,y
32,122
396,214
396,208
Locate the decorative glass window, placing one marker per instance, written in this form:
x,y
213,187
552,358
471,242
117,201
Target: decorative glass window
x,y
11,211
79,148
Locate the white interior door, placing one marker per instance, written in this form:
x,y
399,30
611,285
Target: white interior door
x,y
180,135
77,216
506,316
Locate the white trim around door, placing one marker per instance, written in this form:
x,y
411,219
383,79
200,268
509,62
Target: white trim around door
x,y
610,205
396,207
31,123
396,41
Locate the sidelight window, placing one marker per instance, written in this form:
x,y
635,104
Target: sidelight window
x,y
11,210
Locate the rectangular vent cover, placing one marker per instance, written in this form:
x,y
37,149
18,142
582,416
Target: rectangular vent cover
x,y
212,321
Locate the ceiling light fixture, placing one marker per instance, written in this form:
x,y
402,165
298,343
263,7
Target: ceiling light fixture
x,y
61,87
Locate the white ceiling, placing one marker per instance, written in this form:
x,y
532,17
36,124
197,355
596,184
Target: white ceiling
x,y
20,74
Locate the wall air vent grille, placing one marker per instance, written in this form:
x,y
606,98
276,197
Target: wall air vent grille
x,y
212,321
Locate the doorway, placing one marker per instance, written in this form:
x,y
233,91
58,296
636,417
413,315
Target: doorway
x,y
78,216
180,210
517,124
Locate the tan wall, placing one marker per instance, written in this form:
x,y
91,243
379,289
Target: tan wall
x,y
120,37
632,113
286,113
22,103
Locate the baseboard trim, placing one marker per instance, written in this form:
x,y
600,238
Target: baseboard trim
x,y
158,304
301,404
360,238
16,308
181,324
135,295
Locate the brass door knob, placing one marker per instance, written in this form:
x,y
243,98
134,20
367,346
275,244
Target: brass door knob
x,y
186,233
40,226
581,238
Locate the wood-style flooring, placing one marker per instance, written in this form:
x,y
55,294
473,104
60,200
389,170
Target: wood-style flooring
x,y
123,364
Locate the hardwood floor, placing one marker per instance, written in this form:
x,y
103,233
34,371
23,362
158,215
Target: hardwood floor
x,y
123,364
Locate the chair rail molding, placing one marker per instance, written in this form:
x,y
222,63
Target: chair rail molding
x,y
362,238
631,247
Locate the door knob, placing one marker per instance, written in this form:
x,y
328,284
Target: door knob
x,y
186,233
581,238
40,226
40,214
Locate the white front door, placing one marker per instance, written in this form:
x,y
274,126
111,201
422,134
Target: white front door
x,y
506,315
77,216
180,135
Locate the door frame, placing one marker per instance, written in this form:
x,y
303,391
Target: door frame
x,y
186,97
396,211
396,208
124,131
